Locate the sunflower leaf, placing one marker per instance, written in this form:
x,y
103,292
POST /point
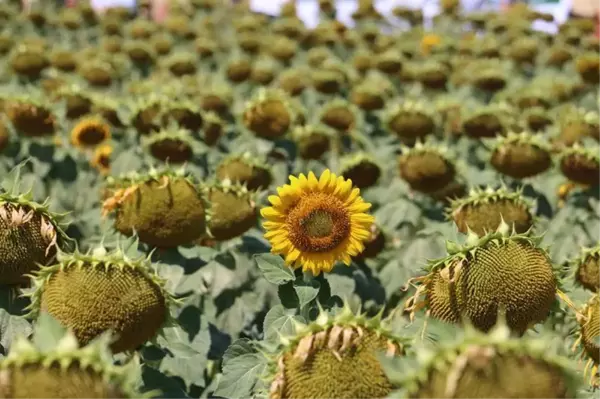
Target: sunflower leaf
x,y
240,376
307,291
274,268
279,321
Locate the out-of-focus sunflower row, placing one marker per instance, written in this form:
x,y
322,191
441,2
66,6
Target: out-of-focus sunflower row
x,y
452,165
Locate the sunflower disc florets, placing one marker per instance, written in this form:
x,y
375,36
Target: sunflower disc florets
x,y
173,145
501,269
269,115
409,120
313,141
31,236
483,210
232,210
30,116
487,365
426,168
521,155
102,290
67,370
586,268
335,357
245,169
163,207
487,120
581,165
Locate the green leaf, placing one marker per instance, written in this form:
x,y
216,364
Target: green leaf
x,y
306,291
11,327
274,268
280,321
240,347
342,286
188,359
287,295
240,376
48,332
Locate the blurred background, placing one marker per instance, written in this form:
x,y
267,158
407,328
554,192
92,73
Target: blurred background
x,y
308,9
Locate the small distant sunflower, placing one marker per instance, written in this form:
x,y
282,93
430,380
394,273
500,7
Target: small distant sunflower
x,y
101,158
90,132
315,222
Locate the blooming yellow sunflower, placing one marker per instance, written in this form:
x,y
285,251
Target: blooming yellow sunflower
x,y
315,223
89,132
101,158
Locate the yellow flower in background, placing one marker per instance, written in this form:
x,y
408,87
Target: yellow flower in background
x,y
430,41
314,223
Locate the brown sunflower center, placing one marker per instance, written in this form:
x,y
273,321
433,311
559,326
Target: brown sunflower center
x,y
92,134
318,223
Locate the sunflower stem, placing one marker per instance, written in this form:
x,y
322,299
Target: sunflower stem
x,y
336,148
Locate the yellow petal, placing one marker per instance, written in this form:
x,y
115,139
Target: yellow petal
x,y
313,183
324,179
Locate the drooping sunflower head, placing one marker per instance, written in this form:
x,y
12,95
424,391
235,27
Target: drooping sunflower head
x,y
389,61
537,119
145,113
524,49
67,369
102,290
586,313
361,168
521,155
586,268
534,94
316,222
30,115
164,207
238,68
336,356
410,120
269,114
433,74
372,93
313,140
488,120
341,115
32,233
28,61
232,210
426,168
101,158
246,169
214,127
489,75
483,210
181,63
466,363
588,65
581,164
171,145
98,73
183,112
90,132
575,124
501,270
293,81
140,52
264,71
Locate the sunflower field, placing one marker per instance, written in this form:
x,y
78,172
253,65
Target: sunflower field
x,y
225,204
